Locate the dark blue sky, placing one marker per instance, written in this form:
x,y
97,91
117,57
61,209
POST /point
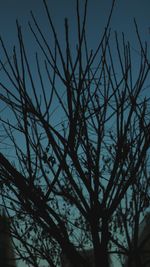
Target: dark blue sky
x,y
122,20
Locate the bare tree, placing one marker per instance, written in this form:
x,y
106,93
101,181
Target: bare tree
x,y
79,126
131,223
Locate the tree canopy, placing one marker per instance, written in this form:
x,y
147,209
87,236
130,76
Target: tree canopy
x,y
77,124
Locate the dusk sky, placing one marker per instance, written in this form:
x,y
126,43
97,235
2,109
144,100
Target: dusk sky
x,y
124,12
98,10
122,21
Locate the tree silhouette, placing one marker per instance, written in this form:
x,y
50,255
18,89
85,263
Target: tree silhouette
x,y
79,126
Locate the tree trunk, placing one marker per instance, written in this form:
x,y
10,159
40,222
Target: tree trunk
x,y
104,243
101,257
